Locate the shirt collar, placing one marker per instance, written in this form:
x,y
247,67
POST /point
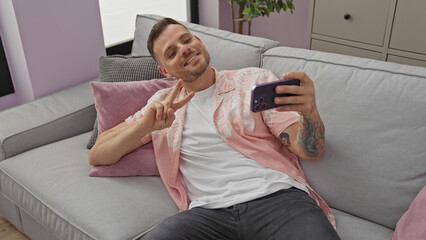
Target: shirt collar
x,y
223,82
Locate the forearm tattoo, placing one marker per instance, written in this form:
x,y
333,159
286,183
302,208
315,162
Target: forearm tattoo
x,y
311,137
285,139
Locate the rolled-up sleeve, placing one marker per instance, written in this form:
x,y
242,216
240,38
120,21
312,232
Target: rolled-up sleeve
x,y
277,122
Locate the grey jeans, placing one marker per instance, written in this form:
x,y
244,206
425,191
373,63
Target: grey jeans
x,y
286,214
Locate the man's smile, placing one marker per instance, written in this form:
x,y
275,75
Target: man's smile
x,y
191,59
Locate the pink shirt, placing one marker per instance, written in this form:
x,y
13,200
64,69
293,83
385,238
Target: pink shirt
x,y
255,135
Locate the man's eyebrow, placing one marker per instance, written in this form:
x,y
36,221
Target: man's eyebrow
x,y
180,38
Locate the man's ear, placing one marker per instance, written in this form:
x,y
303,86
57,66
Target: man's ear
x,y
164,72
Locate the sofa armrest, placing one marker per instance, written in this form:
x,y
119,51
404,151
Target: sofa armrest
x,y
49,119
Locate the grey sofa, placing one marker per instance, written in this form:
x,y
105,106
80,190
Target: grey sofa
x,y
373,166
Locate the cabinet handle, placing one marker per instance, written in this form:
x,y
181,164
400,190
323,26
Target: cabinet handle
x,y
347,16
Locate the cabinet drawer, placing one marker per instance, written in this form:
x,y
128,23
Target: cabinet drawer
x,y
366,24
409,61
342,49
409,28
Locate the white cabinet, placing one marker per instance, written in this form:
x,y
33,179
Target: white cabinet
x,y
409,27
388,30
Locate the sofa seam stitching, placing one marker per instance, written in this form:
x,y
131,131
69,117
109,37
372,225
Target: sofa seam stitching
x,y
3,150
42,202
40,126
341,64
260,45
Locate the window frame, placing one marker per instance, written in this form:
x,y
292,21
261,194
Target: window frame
x,y
6,84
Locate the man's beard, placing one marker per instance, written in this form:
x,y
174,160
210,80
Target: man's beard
x,y
195,74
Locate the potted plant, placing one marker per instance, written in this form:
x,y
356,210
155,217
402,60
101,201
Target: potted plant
x,y
249,9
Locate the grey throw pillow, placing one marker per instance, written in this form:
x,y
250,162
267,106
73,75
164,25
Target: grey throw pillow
x,y
119,68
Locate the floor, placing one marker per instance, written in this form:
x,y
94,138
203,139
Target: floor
x,y
9,232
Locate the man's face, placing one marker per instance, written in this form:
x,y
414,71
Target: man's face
x,y
181,54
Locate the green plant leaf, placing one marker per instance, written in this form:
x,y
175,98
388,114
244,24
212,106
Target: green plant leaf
x,y
290,5
268,3
256,8
277,8
271,7
264,11
241,2
247,11
252,7
256,12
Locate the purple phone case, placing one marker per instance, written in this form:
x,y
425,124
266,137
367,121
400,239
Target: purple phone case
x,y
262,95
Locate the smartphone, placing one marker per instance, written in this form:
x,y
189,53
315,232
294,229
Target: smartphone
x,y
262,95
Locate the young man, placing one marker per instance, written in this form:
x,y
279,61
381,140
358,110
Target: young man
x,y
236,171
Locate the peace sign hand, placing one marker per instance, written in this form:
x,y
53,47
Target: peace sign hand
x,y
160,114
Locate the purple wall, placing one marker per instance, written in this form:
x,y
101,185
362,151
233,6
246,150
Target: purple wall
x,y
50,45
289,29
208,11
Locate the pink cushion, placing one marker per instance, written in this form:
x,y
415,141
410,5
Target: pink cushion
x,y
114,102
412,224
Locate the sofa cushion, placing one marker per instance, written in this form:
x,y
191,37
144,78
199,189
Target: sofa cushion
x,y
41,121
50,183
140,162
350,227
374,115
227,50
119,68
412,223
115,101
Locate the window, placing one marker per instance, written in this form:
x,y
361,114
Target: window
x,y
118,17
6,86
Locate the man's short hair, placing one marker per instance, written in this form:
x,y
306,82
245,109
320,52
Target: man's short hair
x,y
156,31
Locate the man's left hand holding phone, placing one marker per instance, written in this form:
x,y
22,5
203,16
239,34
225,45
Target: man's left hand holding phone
x,y
295,92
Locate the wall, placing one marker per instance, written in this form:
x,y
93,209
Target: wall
x,y
289,29
208,12
50,45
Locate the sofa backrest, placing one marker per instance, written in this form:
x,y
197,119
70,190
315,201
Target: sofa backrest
x,y
246,50
374,114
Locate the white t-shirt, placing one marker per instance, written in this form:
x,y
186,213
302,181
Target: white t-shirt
x,y
215,174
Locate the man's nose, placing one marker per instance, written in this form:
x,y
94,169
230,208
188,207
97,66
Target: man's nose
x,y
185,50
